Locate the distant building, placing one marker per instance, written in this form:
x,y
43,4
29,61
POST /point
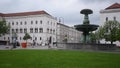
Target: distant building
x,y
110,13
39,24
42,27
68,34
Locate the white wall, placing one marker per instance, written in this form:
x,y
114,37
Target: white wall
x,y
44,18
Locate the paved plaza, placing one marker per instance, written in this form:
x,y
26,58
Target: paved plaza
x,y
10,47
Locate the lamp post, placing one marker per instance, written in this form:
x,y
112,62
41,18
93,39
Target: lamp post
x,y
14,36
62,19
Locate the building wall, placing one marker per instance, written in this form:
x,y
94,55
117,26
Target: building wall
x,y
41,27
69,33
33,21
110,14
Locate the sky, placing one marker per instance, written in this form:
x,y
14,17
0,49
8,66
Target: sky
x,y
66,10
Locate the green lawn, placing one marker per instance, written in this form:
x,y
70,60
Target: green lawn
x,y
57,59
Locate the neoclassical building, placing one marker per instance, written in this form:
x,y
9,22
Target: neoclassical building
x,y
39,24
110,13
42,27
68,34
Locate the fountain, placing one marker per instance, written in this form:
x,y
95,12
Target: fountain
x,y
86,27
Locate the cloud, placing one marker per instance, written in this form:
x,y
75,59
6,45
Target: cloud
x,y
67,9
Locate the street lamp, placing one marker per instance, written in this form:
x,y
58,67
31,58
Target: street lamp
x,y
61,18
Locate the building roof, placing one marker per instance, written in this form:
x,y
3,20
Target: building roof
x,y
24,13
114,6
1,14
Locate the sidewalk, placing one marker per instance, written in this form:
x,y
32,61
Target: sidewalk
x,y
9,47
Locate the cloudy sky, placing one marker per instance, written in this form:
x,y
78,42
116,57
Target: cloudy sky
x,y
67,10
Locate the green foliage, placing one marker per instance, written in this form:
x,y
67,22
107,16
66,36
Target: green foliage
x,y
57,59
109,31
4,28
93,38
27,36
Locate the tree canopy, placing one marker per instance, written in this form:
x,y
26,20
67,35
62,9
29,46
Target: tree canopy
x,y
27,36
110,31
4,28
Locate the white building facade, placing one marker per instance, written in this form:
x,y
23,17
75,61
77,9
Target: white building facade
x,y
110,13
41,26
66,34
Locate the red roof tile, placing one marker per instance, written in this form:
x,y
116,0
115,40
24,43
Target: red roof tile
x,y
114,6
1,14
25,13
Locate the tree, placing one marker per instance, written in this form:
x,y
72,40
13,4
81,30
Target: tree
x,y
4,28
26,37
109,31
92,37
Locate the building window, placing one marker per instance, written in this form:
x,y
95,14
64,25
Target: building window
x,y
25,22
12,23
4,38
41,22
12,30
40,30
31,30
16,30
51,31
36,22
25,30
20,23
9,31
36,30
47,30
31,22
35,38
8,38
21,31
40,38
20,38
16,23
106,18
114,18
